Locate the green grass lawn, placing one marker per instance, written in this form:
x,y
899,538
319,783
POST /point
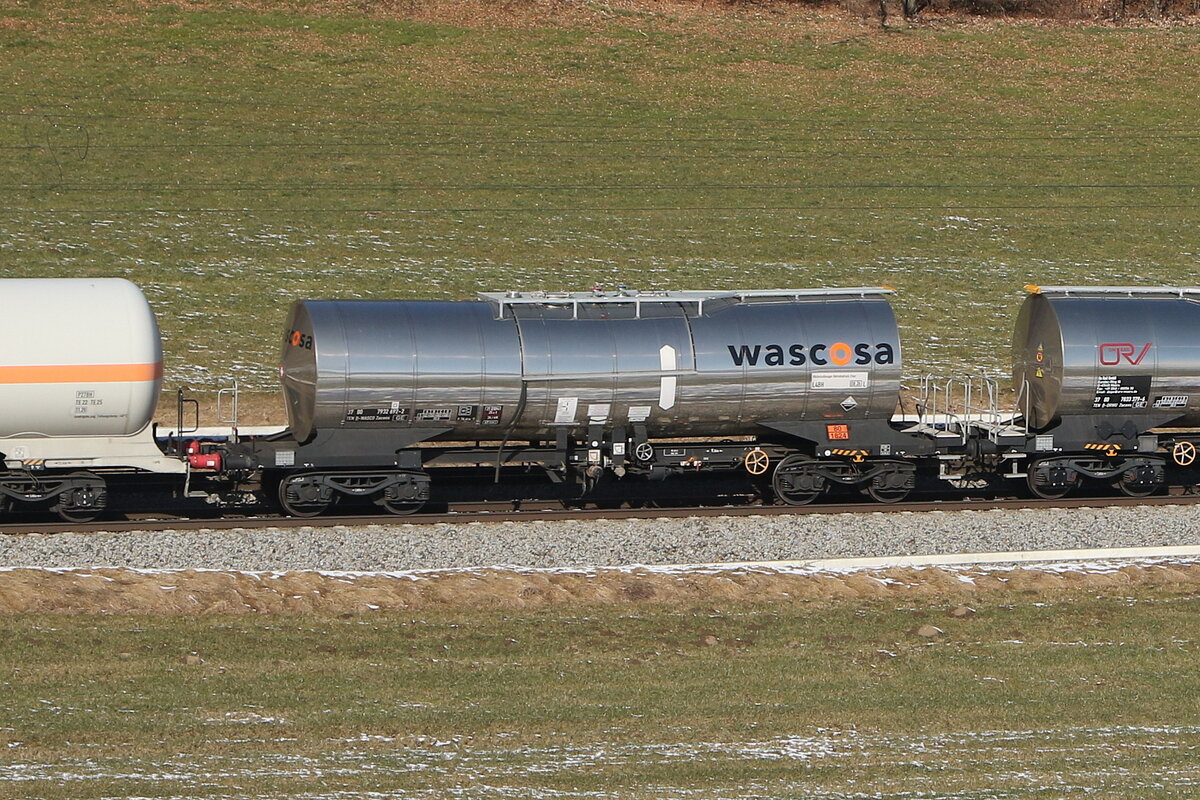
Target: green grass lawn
x,y
1031,697
233,157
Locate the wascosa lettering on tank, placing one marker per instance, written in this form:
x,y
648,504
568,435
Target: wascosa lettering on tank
x,y
794,355
298,339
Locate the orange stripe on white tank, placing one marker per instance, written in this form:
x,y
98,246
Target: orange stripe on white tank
x,y
81,373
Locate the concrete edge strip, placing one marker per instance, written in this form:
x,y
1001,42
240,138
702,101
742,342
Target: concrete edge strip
x,y
1092,558
962,559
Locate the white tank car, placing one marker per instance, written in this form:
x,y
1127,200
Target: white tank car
x,y
79,357
80,373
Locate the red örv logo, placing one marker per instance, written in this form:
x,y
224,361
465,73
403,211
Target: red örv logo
x,y
1112,353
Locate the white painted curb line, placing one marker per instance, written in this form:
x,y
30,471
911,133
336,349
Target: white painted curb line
x,y
967,559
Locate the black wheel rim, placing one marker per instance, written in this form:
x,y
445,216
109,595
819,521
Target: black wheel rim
x,y
786,484
1131,489
1048,491
297,506
82,504
77,513
885,495
401,507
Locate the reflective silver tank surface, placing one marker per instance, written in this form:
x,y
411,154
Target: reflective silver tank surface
x,y
526,364
1128,351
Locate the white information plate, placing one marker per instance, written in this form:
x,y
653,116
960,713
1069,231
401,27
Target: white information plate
x,y
840,380
598,412
566,409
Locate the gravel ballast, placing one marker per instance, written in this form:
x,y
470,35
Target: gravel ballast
x,y
612,542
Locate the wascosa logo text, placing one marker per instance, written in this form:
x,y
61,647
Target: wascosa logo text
x,y
298,339
1113,353
821,355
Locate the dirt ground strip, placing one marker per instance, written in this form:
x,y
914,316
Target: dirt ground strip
x,y
125,591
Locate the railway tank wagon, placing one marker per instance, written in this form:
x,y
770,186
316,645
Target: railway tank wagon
x,y
602,397
80,373
1108,384
794,385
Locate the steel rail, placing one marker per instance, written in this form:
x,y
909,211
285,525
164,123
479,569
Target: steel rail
x,y
503,512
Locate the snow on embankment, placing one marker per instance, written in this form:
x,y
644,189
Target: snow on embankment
x,y
129,591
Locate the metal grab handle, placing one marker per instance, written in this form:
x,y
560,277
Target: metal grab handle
x,y
230,418
182,402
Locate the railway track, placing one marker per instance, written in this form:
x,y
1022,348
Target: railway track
x,y
504,512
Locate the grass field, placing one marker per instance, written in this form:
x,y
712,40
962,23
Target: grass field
x,y
231,157
1033,696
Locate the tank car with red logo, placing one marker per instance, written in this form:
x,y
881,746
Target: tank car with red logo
x,y
1108,384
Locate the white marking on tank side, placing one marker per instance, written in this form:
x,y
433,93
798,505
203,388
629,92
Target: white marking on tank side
x,y
668,362
839,380
566,409
598,412
666,393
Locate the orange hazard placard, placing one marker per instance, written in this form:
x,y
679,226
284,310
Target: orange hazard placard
x,y
837,432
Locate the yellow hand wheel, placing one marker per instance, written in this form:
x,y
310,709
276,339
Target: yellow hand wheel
x,y
1183,453
757,461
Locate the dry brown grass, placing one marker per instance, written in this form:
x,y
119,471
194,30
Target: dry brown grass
x,y
717,17
254,408
192,592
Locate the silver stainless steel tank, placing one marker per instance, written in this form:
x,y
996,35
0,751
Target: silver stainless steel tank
x,y
1128,351
682,363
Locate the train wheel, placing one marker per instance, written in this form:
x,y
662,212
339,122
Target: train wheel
x,y
886,494
891,483
84,502
400,507
1051,481
1133,489
1137,483
70,514
794,484
302,496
